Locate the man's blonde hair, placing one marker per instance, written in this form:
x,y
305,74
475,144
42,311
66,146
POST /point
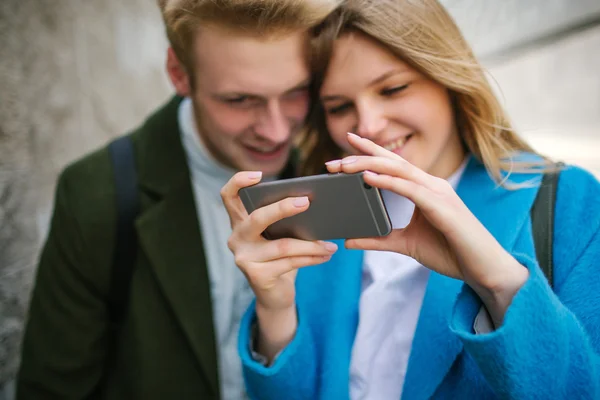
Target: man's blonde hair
x,y
422,34
252,17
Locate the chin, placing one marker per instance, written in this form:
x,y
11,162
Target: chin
x,y
271,168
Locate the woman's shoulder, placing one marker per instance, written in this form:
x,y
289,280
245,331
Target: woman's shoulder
x,y
579,190
577,215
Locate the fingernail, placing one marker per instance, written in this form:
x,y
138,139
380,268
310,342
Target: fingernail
x,y
333,162
325,259
370,173
331,246
301,201
255,175
353,135
349,160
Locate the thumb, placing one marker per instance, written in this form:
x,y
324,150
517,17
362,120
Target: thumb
x,y
395,242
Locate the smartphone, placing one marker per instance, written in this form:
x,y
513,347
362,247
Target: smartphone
x,y
342,206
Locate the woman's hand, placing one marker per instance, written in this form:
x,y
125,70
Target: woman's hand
x,y
270,265
443,234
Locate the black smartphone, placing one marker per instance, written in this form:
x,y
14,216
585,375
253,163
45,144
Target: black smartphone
x,y
342,206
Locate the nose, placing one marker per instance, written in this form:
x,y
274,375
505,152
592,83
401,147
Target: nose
x,y
273,125
371,120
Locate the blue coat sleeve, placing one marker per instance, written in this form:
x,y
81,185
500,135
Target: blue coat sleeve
x,y
548,345
293,374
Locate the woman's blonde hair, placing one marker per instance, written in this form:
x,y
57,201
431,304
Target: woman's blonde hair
x,y
422,34
182,18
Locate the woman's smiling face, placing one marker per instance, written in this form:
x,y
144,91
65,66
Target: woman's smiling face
x,y
370,92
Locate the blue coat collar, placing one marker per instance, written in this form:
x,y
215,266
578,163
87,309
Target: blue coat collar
x,y
504,213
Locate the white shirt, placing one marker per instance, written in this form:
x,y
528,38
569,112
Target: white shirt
x,y
393,287
230,292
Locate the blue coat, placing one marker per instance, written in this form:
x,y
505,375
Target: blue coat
x,y
548,346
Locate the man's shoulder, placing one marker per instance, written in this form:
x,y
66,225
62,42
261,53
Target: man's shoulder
x,y
85,201
94,164
91,175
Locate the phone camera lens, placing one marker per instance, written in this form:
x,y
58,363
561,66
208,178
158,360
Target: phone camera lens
x,y
367,186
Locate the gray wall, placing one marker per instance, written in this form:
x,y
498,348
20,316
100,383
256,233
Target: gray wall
x,y
74,74
544,57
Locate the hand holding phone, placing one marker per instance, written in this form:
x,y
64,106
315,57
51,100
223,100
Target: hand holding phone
x,y
270,265
342,206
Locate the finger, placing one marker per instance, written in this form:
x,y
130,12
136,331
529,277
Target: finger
x,y
231,199
418,194
386,166
283,248
393,242
368,147
260,219
285,265
334,166
437,207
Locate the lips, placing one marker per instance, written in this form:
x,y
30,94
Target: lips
x,y
265,149
267,154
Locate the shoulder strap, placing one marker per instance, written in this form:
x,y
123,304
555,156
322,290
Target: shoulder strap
x,y
127,200
542,218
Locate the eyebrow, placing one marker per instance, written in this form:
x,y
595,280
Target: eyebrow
x,y
375,81
302,85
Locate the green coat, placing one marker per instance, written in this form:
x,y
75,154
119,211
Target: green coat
x,y
167,346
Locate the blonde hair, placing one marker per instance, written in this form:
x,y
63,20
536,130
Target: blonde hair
x,y
182,18
422,34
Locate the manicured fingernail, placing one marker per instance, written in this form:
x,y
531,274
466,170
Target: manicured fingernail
x,y
333,162
353,135
349,160
255,175
301,201
331,246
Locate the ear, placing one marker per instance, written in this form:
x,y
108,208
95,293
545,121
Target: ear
x,y
178,74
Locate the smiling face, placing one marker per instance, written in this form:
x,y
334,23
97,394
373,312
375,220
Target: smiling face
x,y
250,95
368,91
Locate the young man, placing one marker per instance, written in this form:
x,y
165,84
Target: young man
x,y
241,75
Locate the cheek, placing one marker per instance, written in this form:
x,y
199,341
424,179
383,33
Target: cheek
x,y
338,128
224,120
431,115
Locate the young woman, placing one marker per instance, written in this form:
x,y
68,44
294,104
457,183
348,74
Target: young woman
x,y
453,303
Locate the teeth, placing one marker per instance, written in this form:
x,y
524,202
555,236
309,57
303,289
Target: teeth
x,y
395,144
265,150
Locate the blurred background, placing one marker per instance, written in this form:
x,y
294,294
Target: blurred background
x,y
74,74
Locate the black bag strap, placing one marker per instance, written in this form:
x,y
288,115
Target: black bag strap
x,y
128,206
542,219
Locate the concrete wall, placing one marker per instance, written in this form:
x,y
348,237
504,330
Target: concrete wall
x,y
543,55
72,75
552,93
495,27
75,73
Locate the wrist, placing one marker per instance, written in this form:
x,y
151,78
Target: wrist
x,y
276,329
497,292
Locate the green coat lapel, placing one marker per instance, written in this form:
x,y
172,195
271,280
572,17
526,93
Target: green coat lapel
x,y
170,236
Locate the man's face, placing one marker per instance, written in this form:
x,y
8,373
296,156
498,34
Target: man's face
x,y
250,96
